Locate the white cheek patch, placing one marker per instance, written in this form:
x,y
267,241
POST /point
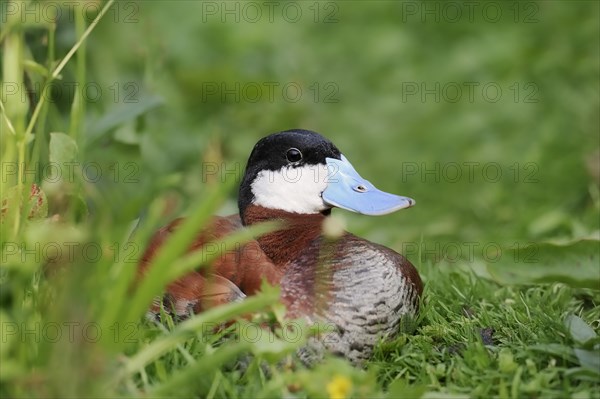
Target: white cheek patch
x,y
290,189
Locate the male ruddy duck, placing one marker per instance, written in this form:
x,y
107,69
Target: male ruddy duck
x,y
363,289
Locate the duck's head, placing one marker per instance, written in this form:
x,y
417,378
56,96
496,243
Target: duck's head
x,y
300,171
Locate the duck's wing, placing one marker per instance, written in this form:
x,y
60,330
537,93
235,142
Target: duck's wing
x,y
237,271
194,293
203,288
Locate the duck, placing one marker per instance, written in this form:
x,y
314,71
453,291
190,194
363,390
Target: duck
x,y
363,290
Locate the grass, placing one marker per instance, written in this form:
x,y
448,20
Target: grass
x,y
483,340
509,253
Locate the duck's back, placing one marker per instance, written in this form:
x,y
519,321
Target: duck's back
x,y
364,291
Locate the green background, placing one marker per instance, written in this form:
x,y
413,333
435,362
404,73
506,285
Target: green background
x,y
486,114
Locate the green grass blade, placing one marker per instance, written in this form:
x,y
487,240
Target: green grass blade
x,y
203,258
176,244
195,325
188,381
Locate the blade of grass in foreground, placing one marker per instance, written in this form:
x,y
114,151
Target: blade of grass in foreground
x,y
202,258
122,274
154,281
62,64
185,264
188,380
194,325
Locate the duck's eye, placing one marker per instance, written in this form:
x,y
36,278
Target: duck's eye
x,y
293,155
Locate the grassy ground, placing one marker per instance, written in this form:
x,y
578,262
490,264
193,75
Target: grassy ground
x,y
485,114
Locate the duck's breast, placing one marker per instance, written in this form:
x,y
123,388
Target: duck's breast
x,y
364,291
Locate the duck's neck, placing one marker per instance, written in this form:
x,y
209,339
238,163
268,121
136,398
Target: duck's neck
x,y
285,244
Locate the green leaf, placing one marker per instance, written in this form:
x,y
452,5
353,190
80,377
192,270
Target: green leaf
x,y
506,362
589,359
36,205
127,134
119,115
62,148
403,389
556,350
444,395
583,334
582,374
579,329
32,66
575,263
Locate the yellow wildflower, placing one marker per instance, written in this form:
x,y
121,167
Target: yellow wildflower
x,y
339,387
